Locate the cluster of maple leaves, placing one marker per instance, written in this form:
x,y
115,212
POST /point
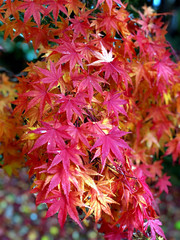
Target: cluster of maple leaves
x,y
100,102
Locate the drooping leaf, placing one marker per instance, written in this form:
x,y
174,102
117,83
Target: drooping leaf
x,y
155,228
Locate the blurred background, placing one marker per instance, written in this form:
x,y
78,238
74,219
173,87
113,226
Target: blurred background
x,y
20,219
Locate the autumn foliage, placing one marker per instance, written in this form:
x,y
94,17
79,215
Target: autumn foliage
x,y
101,100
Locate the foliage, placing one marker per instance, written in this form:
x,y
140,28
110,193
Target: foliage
x,y
93,110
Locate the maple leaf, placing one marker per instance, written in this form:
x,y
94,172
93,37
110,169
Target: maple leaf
x,y
163,183
71,105
74,5
65,154
164,70
88,82
40,96
52,135
99,202
114,103
155,228
7,28
79,133
80,24
58,203
55,6
53,76
23,28
70,54
109,3
59,176
109,23
150,139
140,71
111,66
174,148
103,57
129,220
156,168
60,207
85,176
11,8
111,142
40,36
33,8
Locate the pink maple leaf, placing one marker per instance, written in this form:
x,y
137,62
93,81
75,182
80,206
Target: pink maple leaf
x,y
58,203
163,183
114,103
55,7
52,135
109,3
155,228
39,96
65,154
111,142
88,82
70,53
52,76
33,8
71,105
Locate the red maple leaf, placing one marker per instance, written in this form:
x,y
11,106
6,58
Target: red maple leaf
x,y
52,135
58,203
79,133
114,103
156,168
55,6
80,24
164,70
163,183
53,76
70,54
59,206
33,8
174,148
21,103
40,96
71,105
154,225
59,177
109,3
65,154
110,65
88,82
111,142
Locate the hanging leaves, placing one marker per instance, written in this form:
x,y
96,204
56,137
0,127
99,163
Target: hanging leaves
x,y
92,111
